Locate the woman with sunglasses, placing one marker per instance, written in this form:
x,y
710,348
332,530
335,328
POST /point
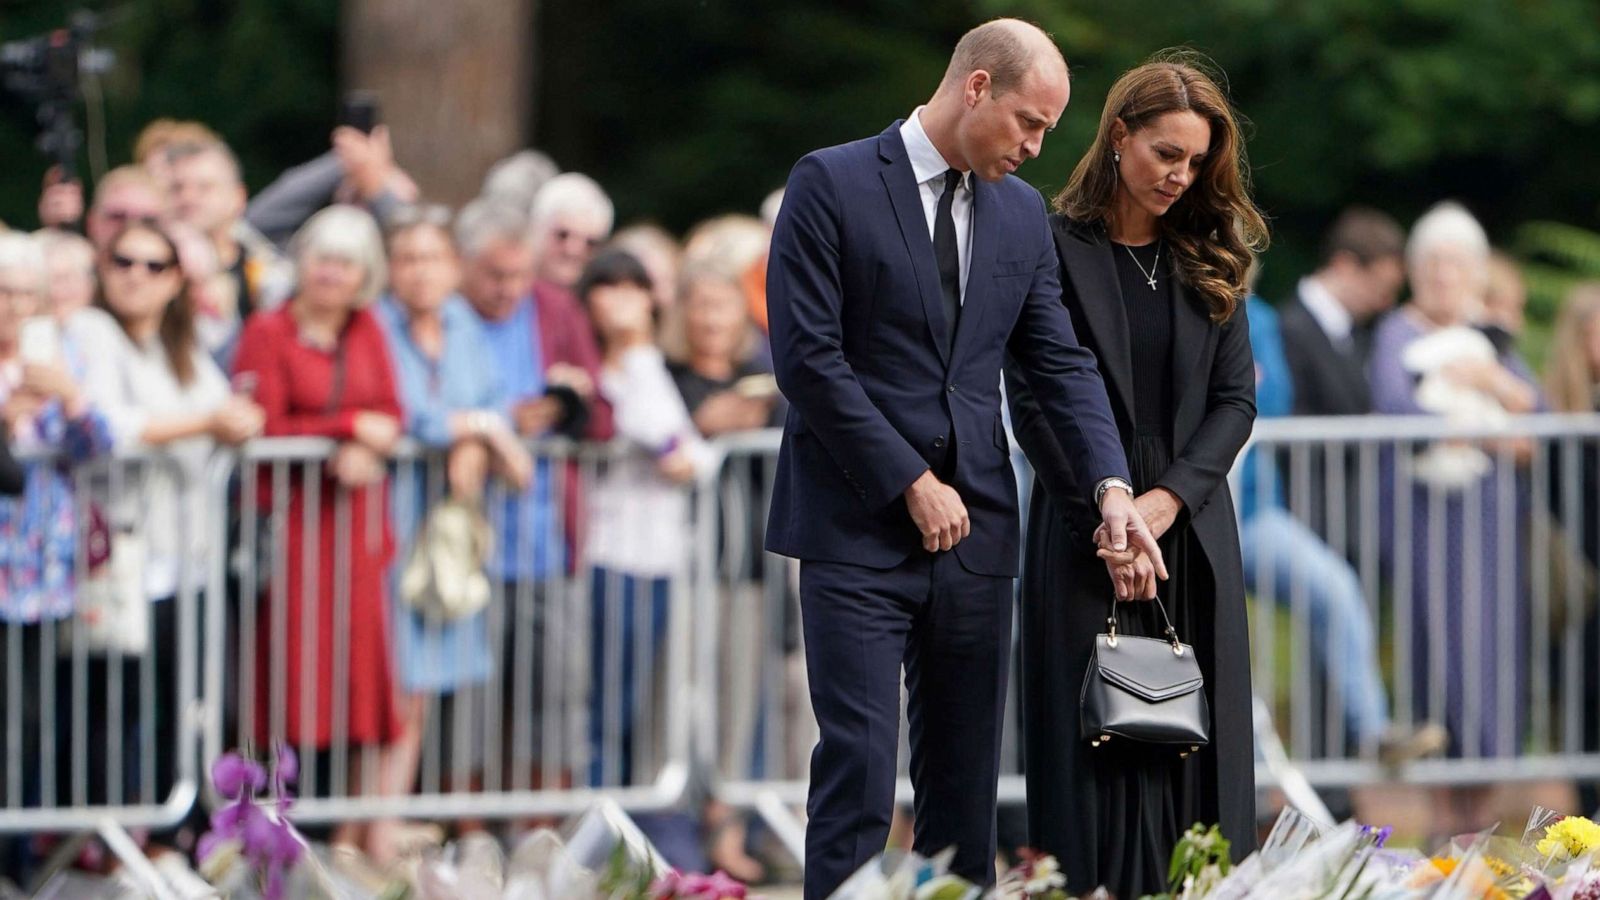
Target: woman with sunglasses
x,y
160,393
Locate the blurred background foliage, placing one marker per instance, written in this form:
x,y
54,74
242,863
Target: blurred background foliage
x,y
685,110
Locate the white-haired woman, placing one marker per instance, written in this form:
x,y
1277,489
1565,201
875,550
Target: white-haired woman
x,y
1466,614
319,367
571,217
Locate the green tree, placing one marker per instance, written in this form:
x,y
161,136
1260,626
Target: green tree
x,y
260,72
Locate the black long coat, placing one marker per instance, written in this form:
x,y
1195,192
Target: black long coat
x,y
1082,806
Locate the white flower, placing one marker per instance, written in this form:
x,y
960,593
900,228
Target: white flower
x,y
1045,877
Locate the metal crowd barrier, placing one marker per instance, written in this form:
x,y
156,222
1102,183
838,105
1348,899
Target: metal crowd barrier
x,y
102,717
570,684
1468,549
1530,653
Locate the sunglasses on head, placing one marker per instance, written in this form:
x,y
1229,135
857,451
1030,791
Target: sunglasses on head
x,y
153,266
563,235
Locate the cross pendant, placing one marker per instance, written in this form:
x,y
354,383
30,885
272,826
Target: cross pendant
x,y
1152,282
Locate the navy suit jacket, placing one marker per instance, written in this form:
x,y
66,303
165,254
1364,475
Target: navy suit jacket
x,y
877,397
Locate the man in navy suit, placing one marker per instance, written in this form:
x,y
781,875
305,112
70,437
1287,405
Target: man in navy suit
x,y
904,269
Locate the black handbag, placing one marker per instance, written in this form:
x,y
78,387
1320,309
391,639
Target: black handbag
x,y
1144,689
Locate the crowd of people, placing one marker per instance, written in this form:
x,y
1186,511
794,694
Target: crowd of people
x,y
174,311
167,308
1454,535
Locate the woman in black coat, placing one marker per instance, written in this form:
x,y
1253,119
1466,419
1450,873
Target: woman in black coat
x,y
1156,237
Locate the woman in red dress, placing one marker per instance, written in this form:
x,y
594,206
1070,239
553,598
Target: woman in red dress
x,y
319,367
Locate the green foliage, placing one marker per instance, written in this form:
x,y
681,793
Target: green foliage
x,y
261,72
685,110
1395,103
625,877
1199,862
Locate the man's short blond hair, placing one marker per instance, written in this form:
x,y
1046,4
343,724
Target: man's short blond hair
x,y
1002,47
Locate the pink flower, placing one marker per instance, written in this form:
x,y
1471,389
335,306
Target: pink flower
x,y
677,886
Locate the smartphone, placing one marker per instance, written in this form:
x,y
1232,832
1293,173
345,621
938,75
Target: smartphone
x,y
39,340
359,111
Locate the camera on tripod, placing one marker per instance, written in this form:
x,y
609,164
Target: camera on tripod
x,y
48,71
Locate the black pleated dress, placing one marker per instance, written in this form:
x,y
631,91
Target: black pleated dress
x,y
1112,814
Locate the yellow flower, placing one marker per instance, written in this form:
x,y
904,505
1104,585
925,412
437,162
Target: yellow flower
x,y
1500,867
1569,838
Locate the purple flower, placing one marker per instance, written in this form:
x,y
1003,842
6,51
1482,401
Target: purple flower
x,y
235,777
1384,834
232,820
287,768
209,842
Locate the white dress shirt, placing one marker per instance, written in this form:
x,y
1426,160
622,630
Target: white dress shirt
x,y
638,520
1330,315
928,167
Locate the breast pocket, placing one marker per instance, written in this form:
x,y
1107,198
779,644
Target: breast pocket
x,y
1011,268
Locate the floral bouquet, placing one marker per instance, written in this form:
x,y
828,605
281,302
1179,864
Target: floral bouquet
x,y
252,848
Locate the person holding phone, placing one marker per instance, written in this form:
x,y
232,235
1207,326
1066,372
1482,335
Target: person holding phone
x,y
47,419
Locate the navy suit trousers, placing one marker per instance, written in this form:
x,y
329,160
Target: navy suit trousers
x,y
951,631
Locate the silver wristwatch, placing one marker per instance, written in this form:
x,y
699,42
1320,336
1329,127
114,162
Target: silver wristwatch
x,y
1107,484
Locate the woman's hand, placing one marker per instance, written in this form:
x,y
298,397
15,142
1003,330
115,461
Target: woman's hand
x,y
20,407
1135,580
727,411
379,432
1160,508
356,465
237,420
49,381
514,462
1492,378
677,466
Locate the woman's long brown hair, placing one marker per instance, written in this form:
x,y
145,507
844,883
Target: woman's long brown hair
x,y
177,320
1214,229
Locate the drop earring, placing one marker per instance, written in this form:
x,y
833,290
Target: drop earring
x,y
1116,157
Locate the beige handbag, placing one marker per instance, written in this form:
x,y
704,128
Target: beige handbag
x,y
444,577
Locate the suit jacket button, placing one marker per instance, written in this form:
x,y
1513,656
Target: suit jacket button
x,y
938,442
950,387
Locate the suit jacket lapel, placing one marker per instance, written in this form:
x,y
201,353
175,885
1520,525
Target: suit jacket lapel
x,y
1086,264
986,216
901,184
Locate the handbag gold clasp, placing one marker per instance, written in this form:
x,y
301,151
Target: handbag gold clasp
x,y
1111,631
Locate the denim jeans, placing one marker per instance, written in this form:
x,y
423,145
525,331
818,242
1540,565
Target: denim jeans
x,y
1343,641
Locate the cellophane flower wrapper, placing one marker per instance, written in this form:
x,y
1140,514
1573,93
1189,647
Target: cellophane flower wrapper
x,y
1539,819
1291,833
1313,871
472,868
899,875
541,868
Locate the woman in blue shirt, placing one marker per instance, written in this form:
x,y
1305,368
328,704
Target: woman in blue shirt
x,y
455,407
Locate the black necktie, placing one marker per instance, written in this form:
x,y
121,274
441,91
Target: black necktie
x,y
946,252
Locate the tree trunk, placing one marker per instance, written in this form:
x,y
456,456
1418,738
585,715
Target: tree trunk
x,y
454,81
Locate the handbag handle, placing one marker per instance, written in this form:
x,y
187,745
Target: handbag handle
x,y
1171,633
